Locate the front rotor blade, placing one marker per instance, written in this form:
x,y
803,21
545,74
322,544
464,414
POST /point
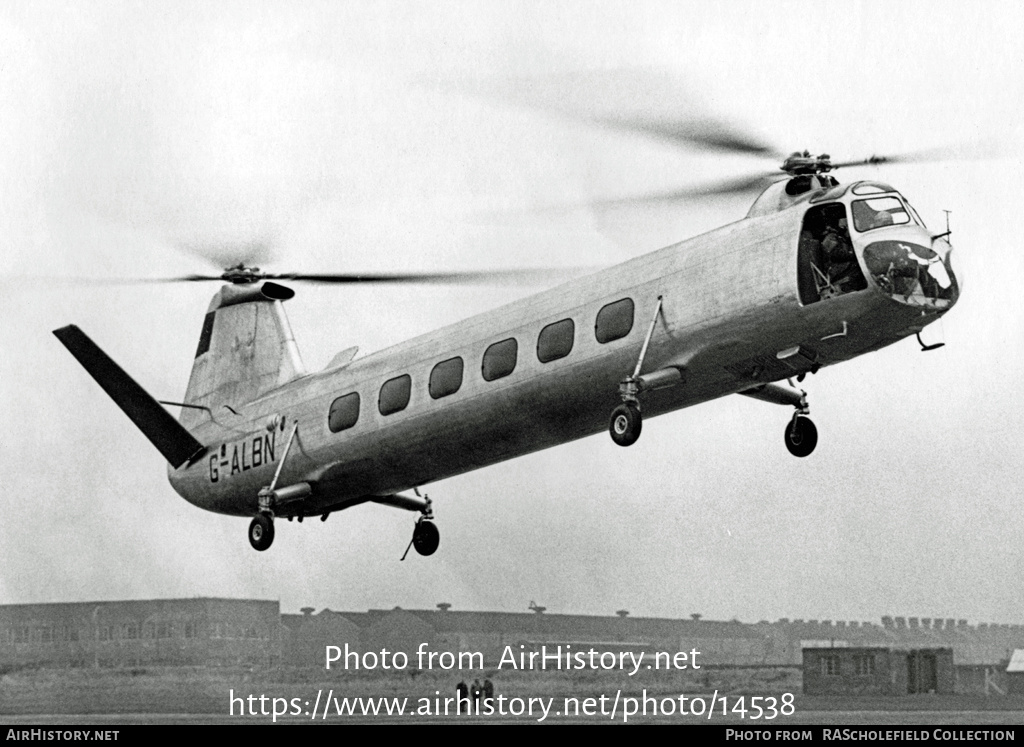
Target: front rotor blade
x,y
968,151
648,101
754,183
872,161
709,133
741,185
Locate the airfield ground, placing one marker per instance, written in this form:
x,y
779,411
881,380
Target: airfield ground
x,y
201,695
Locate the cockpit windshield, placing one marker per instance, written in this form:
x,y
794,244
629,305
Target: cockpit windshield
x,y
914,214
879,212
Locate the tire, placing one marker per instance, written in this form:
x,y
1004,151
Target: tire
x,y
801,437
261,532
625,424
426,538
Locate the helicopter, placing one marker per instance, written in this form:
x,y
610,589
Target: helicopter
x,y
815,274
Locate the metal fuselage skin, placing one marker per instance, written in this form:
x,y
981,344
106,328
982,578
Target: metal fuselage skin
x,y
730,306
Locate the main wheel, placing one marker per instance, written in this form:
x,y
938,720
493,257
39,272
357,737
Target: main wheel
x,y
625,424
261,532
426,538
801,437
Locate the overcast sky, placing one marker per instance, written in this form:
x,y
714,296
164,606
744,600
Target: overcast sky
x,y
138,136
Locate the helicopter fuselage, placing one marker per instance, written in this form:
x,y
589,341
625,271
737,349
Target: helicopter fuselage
x,y
729,315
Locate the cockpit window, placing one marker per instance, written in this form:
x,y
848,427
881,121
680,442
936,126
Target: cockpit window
x,y
914,274
879,212
914,215
871,188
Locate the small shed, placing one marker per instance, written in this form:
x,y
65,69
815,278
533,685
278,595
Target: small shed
x,y
877,671
1015,673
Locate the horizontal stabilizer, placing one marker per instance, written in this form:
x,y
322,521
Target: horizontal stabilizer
x,y
171,439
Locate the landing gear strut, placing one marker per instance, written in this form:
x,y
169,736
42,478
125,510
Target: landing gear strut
x,y
261,532
626,422
271,498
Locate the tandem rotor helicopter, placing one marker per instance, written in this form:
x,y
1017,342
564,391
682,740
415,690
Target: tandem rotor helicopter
x,y
817,273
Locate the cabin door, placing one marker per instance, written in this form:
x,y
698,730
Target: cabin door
x,y
826,261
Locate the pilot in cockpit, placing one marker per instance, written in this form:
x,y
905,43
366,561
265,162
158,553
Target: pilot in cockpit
x,y
840,259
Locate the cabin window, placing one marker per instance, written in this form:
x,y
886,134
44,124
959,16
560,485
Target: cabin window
x,y
394,394
614,321
555,341
445,378
344,412
500,359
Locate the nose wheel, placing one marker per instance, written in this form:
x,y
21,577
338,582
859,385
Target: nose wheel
x,y
261,532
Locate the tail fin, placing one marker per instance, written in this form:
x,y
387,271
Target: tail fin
x,y
246,348
171,438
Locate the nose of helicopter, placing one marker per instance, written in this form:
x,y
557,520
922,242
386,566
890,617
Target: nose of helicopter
x,y
914,273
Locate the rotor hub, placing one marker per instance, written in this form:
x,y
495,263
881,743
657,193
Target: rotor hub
x,y
242,275
798,163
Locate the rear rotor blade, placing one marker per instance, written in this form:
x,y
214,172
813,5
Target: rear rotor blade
x,y
482,277
531,276
259,250
66,280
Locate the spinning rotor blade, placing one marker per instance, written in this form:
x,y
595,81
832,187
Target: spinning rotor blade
x,y
709,133
760,181
648,101
751,184
482,277
228,254
532,276
738,186
972,151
